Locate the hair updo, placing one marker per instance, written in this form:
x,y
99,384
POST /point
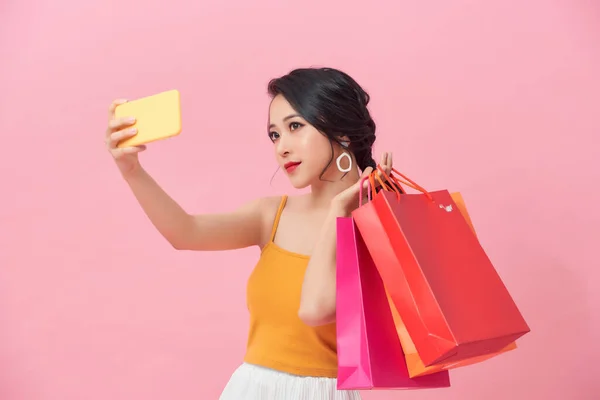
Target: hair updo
x,y
332,102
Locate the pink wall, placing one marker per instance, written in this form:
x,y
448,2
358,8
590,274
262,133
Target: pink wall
x,y
497,99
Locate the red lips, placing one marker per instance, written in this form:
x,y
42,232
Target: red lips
x,y
291,166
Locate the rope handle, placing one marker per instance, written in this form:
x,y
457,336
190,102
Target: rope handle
x,y
406,181
378,173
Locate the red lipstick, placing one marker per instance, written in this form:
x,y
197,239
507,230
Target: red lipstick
x,y
291,166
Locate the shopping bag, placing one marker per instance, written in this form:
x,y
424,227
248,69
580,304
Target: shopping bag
x,y
446,290
415,365
369,352
413,360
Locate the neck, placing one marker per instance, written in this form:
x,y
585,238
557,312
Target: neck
x,y
323,191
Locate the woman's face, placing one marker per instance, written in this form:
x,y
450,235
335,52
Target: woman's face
x,y
301,150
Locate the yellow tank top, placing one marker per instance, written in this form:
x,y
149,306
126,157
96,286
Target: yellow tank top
x,y
278,339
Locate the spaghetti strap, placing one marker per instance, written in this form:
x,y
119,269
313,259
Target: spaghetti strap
x,y
277,217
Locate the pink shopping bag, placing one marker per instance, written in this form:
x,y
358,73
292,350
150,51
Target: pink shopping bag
x,y
370,355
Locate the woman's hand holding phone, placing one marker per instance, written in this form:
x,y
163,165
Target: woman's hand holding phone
x,y
119,129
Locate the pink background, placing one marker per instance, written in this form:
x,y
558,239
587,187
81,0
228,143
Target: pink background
x,y
496,99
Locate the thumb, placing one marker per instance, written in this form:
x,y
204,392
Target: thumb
x,y
365,173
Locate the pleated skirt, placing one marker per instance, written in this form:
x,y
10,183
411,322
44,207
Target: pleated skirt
x,y
252,382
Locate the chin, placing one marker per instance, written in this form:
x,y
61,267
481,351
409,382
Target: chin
x,y
298,183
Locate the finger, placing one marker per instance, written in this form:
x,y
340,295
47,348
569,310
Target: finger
x,y
120,123
113,107
134,149
383,164
387,167
120,152
383,159
390,160
365,173
118,136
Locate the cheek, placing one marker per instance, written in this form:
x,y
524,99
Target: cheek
x,y
316,147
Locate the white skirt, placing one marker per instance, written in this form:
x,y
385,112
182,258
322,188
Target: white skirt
x,y
252,382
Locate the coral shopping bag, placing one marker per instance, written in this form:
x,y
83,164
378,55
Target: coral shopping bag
x,y
446,290
415,365
413,361
369,352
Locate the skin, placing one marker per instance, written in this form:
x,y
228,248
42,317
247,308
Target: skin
x,y
307,225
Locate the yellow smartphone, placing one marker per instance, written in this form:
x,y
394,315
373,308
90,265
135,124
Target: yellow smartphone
x,y
157,117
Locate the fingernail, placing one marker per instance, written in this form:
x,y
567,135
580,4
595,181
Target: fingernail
x,y
133,130
131,119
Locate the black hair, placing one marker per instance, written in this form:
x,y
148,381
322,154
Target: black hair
x,y
335,104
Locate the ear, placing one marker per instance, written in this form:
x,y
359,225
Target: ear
x,y
345,142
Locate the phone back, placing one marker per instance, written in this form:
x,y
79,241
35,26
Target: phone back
x,y
157,117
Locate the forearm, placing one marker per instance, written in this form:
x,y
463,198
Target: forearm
x,y
169,218
317,303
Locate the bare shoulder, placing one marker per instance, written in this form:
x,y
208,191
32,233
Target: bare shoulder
x,y
267,208
266,205
270,205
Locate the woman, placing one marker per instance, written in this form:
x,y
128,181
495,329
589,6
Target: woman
x,y
322,134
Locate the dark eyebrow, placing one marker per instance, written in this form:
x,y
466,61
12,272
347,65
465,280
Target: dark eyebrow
x,y
285,119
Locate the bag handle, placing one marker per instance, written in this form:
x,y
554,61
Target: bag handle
x,y
377,174
360,190
372,186
407,181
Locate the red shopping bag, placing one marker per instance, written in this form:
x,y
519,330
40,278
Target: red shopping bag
x,y
369,351
446,290
413,360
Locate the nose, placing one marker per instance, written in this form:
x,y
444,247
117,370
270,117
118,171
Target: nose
x,y
283,147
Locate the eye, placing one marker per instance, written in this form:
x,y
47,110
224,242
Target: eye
x,y
273,136
295,125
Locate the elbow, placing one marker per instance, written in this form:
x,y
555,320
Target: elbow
x,y
174,244
317,315
178,244
179,238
